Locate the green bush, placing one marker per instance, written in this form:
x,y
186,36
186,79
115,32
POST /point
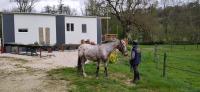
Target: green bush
x,y
113,58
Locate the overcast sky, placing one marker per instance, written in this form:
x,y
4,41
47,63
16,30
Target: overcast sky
x,y
76,4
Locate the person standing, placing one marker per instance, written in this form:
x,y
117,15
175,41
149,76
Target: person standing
x,y
135,61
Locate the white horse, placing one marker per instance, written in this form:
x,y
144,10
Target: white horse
x,y
98,53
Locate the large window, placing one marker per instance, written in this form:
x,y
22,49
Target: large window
x,y
70,26
84,28
22,30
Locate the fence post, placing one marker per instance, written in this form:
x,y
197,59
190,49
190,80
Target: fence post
x,y
171,46
164,64
155,52
1,47
155,55
18,50
184,47
62,47
40,52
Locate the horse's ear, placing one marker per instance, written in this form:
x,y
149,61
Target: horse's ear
x,y
126,41
115,39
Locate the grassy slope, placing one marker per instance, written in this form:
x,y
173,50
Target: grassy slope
x,y
120,75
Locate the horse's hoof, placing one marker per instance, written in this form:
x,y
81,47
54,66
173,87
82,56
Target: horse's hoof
x,y
84,75
134,85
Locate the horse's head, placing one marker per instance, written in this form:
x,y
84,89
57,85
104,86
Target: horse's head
x,y
122,47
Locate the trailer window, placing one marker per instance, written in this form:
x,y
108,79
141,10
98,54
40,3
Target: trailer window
x,y
84,28
72,26
22,30
68,27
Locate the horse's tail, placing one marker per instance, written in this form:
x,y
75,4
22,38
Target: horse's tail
x,y
79,65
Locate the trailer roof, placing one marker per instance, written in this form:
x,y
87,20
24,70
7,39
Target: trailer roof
x,y
47,14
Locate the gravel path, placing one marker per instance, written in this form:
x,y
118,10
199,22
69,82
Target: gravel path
x,y
19,73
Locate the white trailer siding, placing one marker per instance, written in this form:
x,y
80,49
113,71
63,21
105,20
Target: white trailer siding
x,y
32,23
75,37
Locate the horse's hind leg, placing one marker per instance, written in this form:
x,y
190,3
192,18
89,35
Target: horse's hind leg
x,y
97,71
106,70
82,64
79,65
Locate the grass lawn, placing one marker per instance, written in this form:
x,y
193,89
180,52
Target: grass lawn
x,y
187,58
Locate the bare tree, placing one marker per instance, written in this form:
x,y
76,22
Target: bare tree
x,y
25,5
48,9
95,8
90,7
60,9
68,11
125,11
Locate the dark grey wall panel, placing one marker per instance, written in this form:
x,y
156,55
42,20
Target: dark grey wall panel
x,y
99,30
60,29
8,28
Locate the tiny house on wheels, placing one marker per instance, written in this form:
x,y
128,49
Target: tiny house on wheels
x,y
49,29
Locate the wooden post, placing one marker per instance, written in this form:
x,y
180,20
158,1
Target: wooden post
x,y
2,48
117,31
164,64
198,40
49,50
155,52
184,46
11,49
107,23
17,49
40,52
31,51
62,47
171,46
156,56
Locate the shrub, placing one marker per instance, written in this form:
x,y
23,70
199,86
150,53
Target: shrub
x,y
113,58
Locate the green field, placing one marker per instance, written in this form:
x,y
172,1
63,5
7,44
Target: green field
x,y
184,79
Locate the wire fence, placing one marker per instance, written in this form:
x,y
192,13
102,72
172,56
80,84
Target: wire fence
x,y
166,58
179,47
186,70
181,58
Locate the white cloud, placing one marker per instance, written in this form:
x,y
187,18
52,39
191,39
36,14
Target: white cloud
x,y
6,5
76,4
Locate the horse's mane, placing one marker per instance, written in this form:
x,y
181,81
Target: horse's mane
x,y
106,42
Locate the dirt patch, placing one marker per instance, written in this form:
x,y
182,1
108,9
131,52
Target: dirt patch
x,y
20,73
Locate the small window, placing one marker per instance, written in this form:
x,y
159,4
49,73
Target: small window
x,y
68,27
72,27
84,28
22,30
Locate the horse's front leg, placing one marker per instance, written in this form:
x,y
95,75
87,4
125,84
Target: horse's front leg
x,y
106,70
97,71
83,70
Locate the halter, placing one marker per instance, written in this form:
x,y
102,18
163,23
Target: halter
x,y
120,46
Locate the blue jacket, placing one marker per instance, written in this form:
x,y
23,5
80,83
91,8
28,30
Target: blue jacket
x,y
135,56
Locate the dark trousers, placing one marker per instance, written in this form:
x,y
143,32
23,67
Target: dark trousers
x,y
136,73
